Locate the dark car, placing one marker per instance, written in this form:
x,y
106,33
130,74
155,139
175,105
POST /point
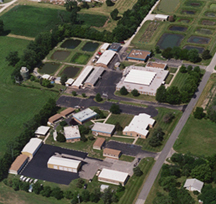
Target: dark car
x,y
85,186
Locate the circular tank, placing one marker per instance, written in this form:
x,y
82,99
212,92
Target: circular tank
x,y
24,72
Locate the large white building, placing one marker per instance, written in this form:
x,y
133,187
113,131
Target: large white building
x,y
32,147
105,58
63,164
113,177
139,125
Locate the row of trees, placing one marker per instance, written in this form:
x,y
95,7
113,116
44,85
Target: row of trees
x,y
14,147
186,165
123,91
173,95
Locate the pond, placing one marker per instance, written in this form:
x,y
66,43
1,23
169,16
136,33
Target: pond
x,y
193,3
204,31
208,22
71,71
178,28
49,68
60,55
198,40
189,47
170,40
210,14
183,20
90,46
190,12
70,44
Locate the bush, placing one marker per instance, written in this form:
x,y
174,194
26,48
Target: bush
x,y
91,138
206,54
46,83
137,171
57,193
79,183
168,118
135,93
123,91
98,97
32,78
74,93
63,123
60,137
199,114
83,95
109,3
115,109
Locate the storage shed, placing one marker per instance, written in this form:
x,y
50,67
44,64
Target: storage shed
x,y
18,164
113,177
99,143
103,129
42,131
64,164
69,82
84,115
193,185
111,153
104,47
32,147
115,47
161,17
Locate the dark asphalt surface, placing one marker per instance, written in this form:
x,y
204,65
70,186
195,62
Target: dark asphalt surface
x,y
66,101
129,149
37,167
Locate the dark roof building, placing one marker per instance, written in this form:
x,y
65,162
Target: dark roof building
x,y
115,47
139,55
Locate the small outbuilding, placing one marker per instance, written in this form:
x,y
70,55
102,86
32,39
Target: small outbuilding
x,y
157,65
54,119
32,147
139,55
84,115
72,133
42,131
24,72
18,164
99,143
113,177
193,185
161,17
58,80
67,112
104,47
46,76
64,164
111,153
103,129
115,47
69,82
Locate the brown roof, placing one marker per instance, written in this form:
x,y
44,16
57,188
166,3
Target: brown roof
x,y
99,142
112,152
139,54
18,162
67,111
55,118
156,65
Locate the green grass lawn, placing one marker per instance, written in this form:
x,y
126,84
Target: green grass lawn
x,y
172,70
197,137
80,58
94,20
135,183
126,158
167,6
180,79
169,78
167,129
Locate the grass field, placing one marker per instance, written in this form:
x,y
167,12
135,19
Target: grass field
x,y
80,58
166,127
169,78
134,184
180,79
167,6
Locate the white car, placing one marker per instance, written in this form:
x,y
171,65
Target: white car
x,y
35,180
24,178
30,181
21,177
27,180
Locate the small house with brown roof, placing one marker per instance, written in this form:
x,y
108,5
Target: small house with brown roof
x,y
54,119
111,153
138,55
18,164
67,112
99,143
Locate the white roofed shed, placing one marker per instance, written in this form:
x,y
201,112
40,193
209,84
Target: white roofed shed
x,y
193,185
105,58
42,130
104,47
161,17
69,82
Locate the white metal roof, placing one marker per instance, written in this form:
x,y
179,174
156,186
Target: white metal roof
x,y
32,145
194,183
69,81
103,127
71,132
42,130
84,114
106,57
104,46
113,175
82,77
140,77
71,163
161,16
139,124
46,76
97,72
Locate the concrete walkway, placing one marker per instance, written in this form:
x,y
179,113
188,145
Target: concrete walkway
x,y
107,118
6,5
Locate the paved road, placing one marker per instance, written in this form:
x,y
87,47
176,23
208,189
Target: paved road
x,y
162,157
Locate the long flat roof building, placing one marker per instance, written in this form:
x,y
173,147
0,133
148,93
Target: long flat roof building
x,y
18,164
72,133
103,129
84,115
113,177
138,127
32,147
161,17
68,111
82,77
158,65
104,47
111,153
105,58
64,164
94,76
99,143
55,118
139,55
42,131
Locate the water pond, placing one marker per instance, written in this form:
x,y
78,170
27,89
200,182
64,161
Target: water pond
x,y
60,55
71,71
49,68
198,40
90,46
178,28
70,44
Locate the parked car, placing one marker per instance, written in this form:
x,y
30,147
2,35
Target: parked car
x,y
85,186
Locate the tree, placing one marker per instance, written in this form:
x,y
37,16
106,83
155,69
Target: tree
x,y
83,95
15,184
173,95
115,109
95,196
193,55
157,49
106,197
70,5
183,69
206,54
118,127
63,79
60,137
161,94
85,5
114,14
168,117
135,92
184,54
167,53
137,171
46,83
12,58
208,195
57,193
197,69
46,191
123,91
37,188
74,93
176,51
79,183
157,137
162,199
168,182
120,188
68,194
189,68
85,195
202,172
73,16
199,114
1,27
24,186
109,3
98,97
99,113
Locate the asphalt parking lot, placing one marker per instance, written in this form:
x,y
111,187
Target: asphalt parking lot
x,y
129,149
37,167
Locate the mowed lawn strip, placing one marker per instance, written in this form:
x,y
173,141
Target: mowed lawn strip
x,y
134,184
167,6
197,137
180,79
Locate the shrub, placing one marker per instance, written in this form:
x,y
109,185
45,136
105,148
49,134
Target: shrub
x,y
115,109
135,93
74,93
137,171
123,91
63,123
83,95
60,137
79,183
199,114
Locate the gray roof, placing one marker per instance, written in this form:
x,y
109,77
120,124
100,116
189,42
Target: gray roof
x,y
103,127
97,72
84,114
194,183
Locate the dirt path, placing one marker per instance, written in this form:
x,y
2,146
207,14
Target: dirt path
x,y
20,37
105,24
59,70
